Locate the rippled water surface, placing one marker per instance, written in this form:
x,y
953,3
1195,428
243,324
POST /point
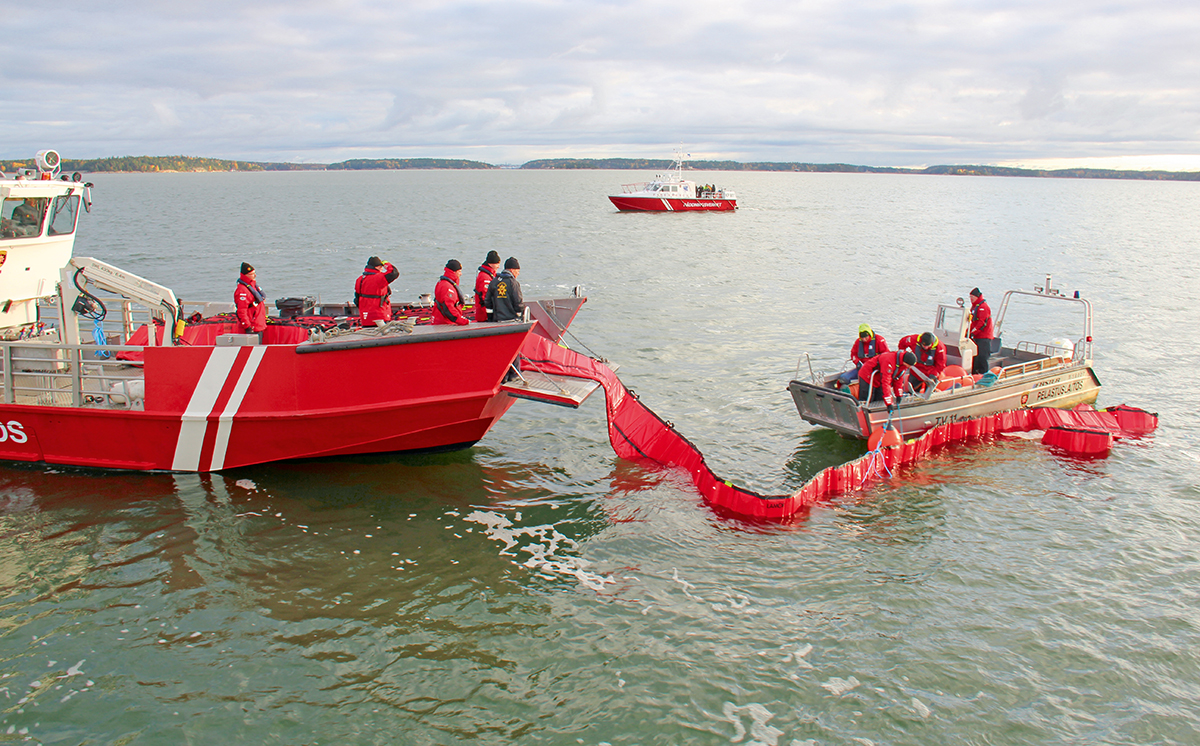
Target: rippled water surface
x,y
535,589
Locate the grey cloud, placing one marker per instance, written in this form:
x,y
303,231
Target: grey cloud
x,y
859,82
1043,98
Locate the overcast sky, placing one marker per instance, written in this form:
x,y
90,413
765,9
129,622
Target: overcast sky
x,y
876,83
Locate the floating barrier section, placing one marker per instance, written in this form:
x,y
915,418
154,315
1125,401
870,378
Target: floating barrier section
x,y
638,434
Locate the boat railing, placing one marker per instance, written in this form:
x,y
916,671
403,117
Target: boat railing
x,y
124,317
640,186
1042,349
816,377
60,375
1049,356
1048,293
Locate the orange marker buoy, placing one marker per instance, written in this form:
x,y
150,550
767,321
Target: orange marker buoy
x,y
873,440
884,438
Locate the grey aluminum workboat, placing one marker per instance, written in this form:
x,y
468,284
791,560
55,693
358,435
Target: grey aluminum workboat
x,y
1027,374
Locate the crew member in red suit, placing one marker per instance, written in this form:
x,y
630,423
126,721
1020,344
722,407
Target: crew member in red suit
x,y
885,375
251,303
447,298
373,291
868,345
980,331
931,356
487,273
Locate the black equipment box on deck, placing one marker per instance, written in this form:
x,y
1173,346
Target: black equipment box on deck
x,y
289,307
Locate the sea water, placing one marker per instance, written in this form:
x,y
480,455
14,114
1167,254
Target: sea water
x,y
536,589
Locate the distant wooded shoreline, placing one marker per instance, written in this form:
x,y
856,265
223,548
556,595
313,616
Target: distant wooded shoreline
x,y
169,164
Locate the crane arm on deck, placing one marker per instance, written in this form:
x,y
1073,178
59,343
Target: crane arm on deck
x,y
159,300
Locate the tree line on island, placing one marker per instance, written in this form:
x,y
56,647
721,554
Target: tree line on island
x,y
178,163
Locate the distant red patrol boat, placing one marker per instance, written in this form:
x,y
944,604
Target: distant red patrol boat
x,y
672,193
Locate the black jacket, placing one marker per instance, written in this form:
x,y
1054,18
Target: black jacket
x,y
504,298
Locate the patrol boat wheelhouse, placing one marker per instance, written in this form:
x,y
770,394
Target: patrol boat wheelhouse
x,y
1027,374
670,192
102,368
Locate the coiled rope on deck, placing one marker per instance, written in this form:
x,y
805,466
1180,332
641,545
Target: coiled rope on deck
x,y
399,326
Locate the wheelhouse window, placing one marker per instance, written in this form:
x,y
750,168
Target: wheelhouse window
x,y
22,218
63,215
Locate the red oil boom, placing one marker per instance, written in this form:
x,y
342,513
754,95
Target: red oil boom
x,y
638,434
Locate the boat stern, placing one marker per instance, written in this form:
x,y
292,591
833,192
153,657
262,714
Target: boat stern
x,y
831,408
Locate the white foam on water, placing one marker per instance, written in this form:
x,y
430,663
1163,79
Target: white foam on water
x,y
839,686
739,603
686,585
543,550
73,670
921,708
761,732
489,520
1026,434
798,655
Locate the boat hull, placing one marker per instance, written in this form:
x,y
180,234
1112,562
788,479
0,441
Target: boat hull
x,y
214,408
151,442
1061,388
209,408
634,203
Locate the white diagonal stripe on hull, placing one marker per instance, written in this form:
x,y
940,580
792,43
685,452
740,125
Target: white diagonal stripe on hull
x,y
195,417
225,423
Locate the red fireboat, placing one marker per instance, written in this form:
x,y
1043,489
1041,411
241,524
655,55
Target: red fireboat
x,y
670,192
196,397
